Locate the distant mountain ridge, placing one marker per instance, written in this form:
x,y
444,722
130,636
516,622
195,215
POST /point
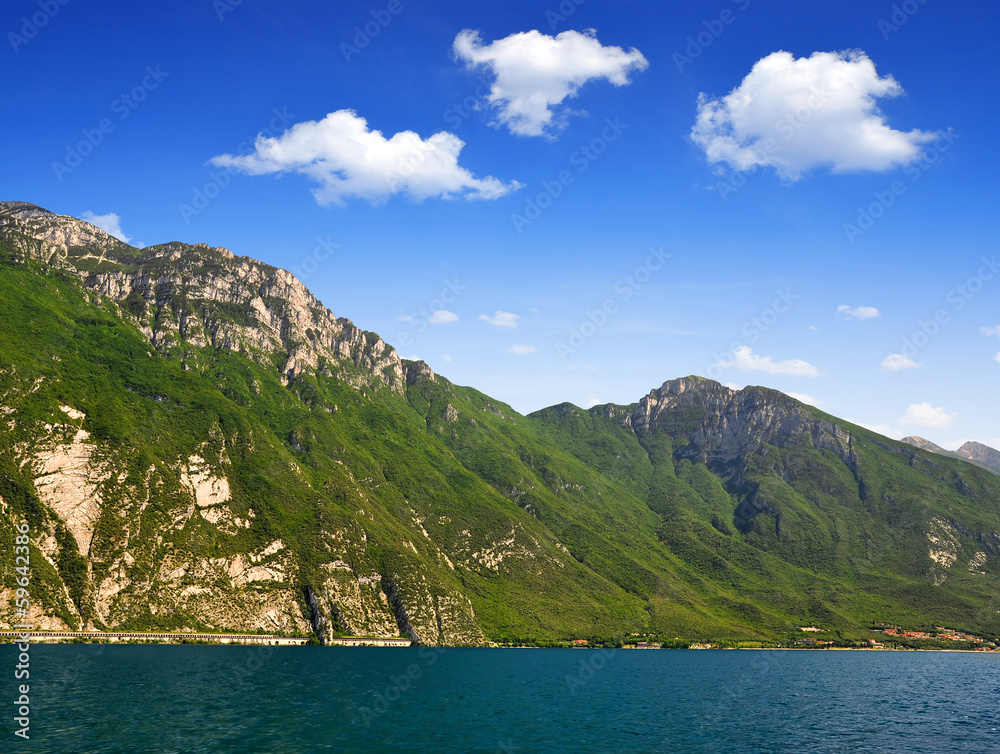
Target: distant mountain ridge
x,y
197,443
974,452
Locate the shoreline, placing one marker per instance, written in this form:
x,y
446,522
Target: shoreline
x,y
202,639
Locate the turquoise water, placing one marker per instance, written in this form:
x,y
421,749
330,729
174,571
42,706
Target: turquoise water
x,y
291,699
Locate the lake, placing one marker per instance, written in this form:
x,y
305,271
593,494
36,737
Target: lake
x,y
87,698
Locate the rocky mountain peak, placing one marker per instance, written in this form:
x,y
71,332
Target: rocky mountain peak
x,y
920,442
984,455
204,296
721,424
417,371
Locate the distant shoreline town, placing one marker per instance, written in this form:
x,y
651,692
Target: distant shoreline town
x,y
895,638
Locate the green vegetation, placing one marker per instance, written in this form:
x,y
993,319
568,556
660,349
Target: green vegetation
x,y
566,524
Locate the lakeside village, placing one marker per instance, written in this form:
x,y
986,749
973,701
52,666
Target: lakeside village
x,y
892,637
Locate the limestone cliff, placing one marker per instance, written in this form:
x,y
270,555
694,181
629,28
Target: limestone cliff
x,y
197,295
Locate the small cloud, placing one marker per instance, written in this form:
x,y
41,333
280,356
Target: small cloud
x,y
522,350
882,429
405,318
813,327
535,73
746,360
346,159
109,223
797,114
447,359
997,357
734,386
501,319
593,400
443,317
591,369
859,312
990,330
896,362
926,415
808,399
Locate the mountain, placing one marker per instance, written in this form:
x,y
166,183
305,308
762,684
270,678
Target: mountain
x,y
973,452
981,455
920,442
197,443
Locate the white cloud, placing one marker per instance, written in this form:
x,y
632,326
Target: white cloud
x,y
109,223
522,350
997,357
882,429
859,312
443,317
347,159
501,319
447,359
798,114
746,360
925,415
809,399
734,386
536,73
593,400
990,330
896,362
813,327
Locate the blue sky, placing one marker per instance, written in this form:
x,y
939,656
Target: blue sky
x,y
564,176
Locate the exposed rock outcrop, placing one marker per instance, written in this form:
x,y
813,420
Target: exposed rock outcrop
x,y
207,296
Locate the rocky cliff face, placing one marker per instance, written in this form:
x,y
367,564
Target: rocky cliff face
x,y
132,529
722,425
198,295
